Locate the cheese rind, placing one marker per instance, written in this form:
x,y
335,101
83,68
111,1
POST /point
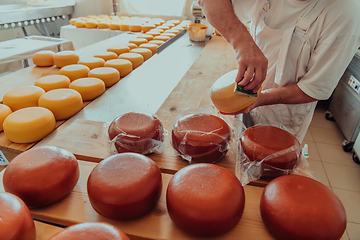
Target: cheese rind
x,y
109,75
135,58
23,97
92,62
4,112
64,58
89,88
146,53
51,82
124,66
43,58
29,124
74,71
63,103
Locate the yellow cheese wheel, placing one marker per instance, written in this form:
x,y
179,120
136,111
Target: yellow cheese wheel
x,y
153,33
107,56
89,88
122,65
80,24
170,25
74,71
163,38
135,58
109,75
134,27
52,82
63,103
124,26
163,27
145,52
138,41
92,62
103,25
92,16
158,30
171,35
114,26
131,45
73,21
179,27
119,49
146,36
173,30
103,16
151,46
159,20
44,58
4,112
174,21
154,23
64,58
91,24
147,27
29,124
157,42
23,97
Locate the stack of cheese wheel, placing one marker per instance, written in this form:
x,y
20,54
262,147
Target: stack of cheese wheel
x,y
297,207
92,62
52,82
44,58
122,65
278,147
4,112
75,71
42,176
16,220
136,132
201,138
205,200
108,75
23,97
89,88
125,186
64,58
91,230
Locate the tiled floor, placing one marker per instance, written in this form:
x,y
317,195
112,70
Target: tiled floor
x,y
334,167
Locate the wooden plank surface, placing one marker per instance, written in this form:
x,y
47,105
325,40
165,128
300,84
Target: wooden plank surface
x,y
76,208
45,231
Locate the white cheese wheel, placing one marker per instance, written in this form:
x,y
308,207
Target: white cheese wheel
x,y
61,59
109,75
23,97
63,103
51,82
29,124
89,88
145,52
44,58
135,58
4,112
74,71
107,56
151,46
119,49
92,62
122,65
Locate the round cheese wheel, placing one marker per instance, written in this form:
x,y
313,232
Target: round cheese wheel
x,y
147,27
91,24
151,46
52,82
92,16
138,41
169,34
73,20
107,56
61,59
119,49
43,58
109,75
124,26
103,16
16,221
122,65
223,97
131,45
146,36
29,124
125,186
63,103
91,231
74,71
89,88
297,207
42,176
23,97
259,142
162,38
157,42
201,137
163,27
179,28
174,21
205,200
114,26
92,62
134,27
173,30
153,33
135,58
4,112
170,25
146,53
103,25
80,24
136,132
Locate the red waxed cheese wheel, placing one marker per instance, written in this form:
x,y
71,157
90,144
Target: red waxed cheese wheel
x,y
137,132
42,176
205,199
297,207
125,186
91,231
201,137
16,222
259,142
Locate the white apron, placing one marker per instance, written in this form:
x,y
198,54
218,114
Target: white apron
x,y
283,48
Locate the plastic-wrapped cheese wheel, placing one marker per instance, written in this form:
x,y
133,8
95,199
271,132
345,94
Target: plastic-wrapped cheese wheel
x,y
125,186
205,200
145,52
107,56
91,231
43,58
135,58
4,112
42,176
201,138
52,82
89,88
23,97
119,49
29,124
297,207
109,75
92,62
281,149
122,65
63,103
74,71
16,221
136,132
61,59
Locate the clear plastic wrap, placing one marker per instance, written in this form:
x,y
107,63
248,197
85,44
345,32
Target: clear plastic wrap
x,y
120,140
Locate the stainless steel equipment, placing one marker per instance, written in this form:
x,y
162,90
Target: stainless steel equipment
x,y
197,12
345,103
